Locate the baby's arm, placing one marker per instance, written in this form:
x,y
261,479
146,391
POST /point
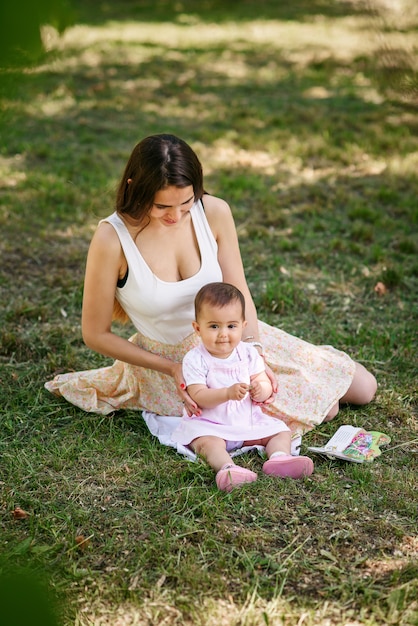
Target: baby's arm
x,y
210,398
261,387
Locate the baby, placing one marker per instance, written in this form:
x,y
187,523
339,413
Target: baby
x,y
226,378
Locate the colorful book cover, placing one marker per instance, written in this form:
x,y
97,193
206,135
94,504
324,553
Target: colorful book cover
x,y
353,444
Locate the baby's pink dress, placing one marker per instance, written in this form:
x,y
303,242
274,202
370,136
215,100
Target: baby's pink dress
x,y
234,420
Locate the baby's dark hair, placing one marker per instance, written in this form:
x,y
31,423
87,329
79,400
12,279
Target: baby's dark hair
x,y
218,294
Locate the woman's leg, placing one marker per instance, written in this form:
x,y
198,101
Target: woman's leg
x,y
333,412
361,391
363,388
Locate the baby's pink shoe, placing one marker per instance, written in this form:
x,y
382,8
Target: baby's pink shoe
x,y
288,466
231,476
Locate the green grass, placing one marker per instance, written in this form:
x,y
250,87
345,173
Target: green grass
x,y
310,134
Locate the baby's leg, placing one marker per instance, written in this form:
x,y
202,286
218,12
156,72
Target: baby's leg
x,y
228,475
276,443
279,443
280,461
213,450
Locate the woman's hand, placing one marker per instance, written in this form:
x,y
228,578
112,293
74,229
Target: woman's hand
x,y
189,404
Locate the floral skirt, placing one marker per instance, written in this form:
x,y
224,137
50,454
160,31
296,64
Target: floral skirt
x,y
311,379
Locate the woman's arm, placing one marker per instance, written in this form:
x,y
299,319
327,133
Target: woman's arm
x,y
105,260
223,227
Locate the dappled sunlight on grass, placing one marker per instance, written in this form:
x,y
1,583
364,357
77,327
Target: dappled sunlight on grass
x,y
11,171
212,612
407,550
317,154
344,35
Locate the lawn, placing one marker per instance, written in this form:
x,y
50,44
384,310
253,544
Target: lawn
x,y
304,115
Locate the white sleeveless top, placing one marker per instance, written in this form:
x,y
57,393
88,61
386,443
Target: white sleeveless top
x,y
160,310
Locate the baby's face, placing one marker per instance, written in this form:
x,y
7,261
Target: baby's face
x,y
220,328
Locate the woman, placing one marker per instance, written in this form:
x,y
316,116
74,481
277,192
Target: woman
x,y
166,239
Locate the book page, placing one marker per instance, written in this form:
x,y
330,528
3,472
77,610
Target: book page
x,y
342,438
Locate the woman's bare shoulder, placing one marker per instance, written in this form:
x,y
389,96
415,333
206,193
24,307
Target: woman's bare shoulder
x,y
105,235
215,206
105,249
218,214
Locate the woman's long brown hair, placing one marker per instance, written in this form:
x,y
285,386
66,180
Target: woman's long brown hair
x,y
119,313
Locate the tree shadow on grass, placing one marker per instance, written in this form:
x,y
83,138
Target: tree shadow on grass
x,y
21,42
97,107
70,130
70,158
218,11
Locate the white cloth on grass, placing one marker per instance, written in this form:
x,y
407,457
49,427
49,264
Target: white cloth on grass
x,y
162,426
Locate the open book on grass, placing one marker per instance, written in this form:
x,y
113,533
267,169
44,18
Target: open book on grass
x,y
353,444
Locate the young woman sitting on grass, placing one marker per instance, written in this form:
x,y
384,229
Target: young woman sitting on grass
x,y
166,239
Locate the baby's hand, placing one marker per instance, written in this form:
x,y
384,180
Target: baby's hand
x,y
238,391
261,391
256,390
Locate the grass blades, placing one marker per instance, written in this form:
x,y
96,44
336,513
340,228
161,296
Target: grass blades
x,y
304,117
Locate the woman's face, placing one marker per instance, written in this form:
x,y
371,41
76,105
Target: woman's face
x,y
171,205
